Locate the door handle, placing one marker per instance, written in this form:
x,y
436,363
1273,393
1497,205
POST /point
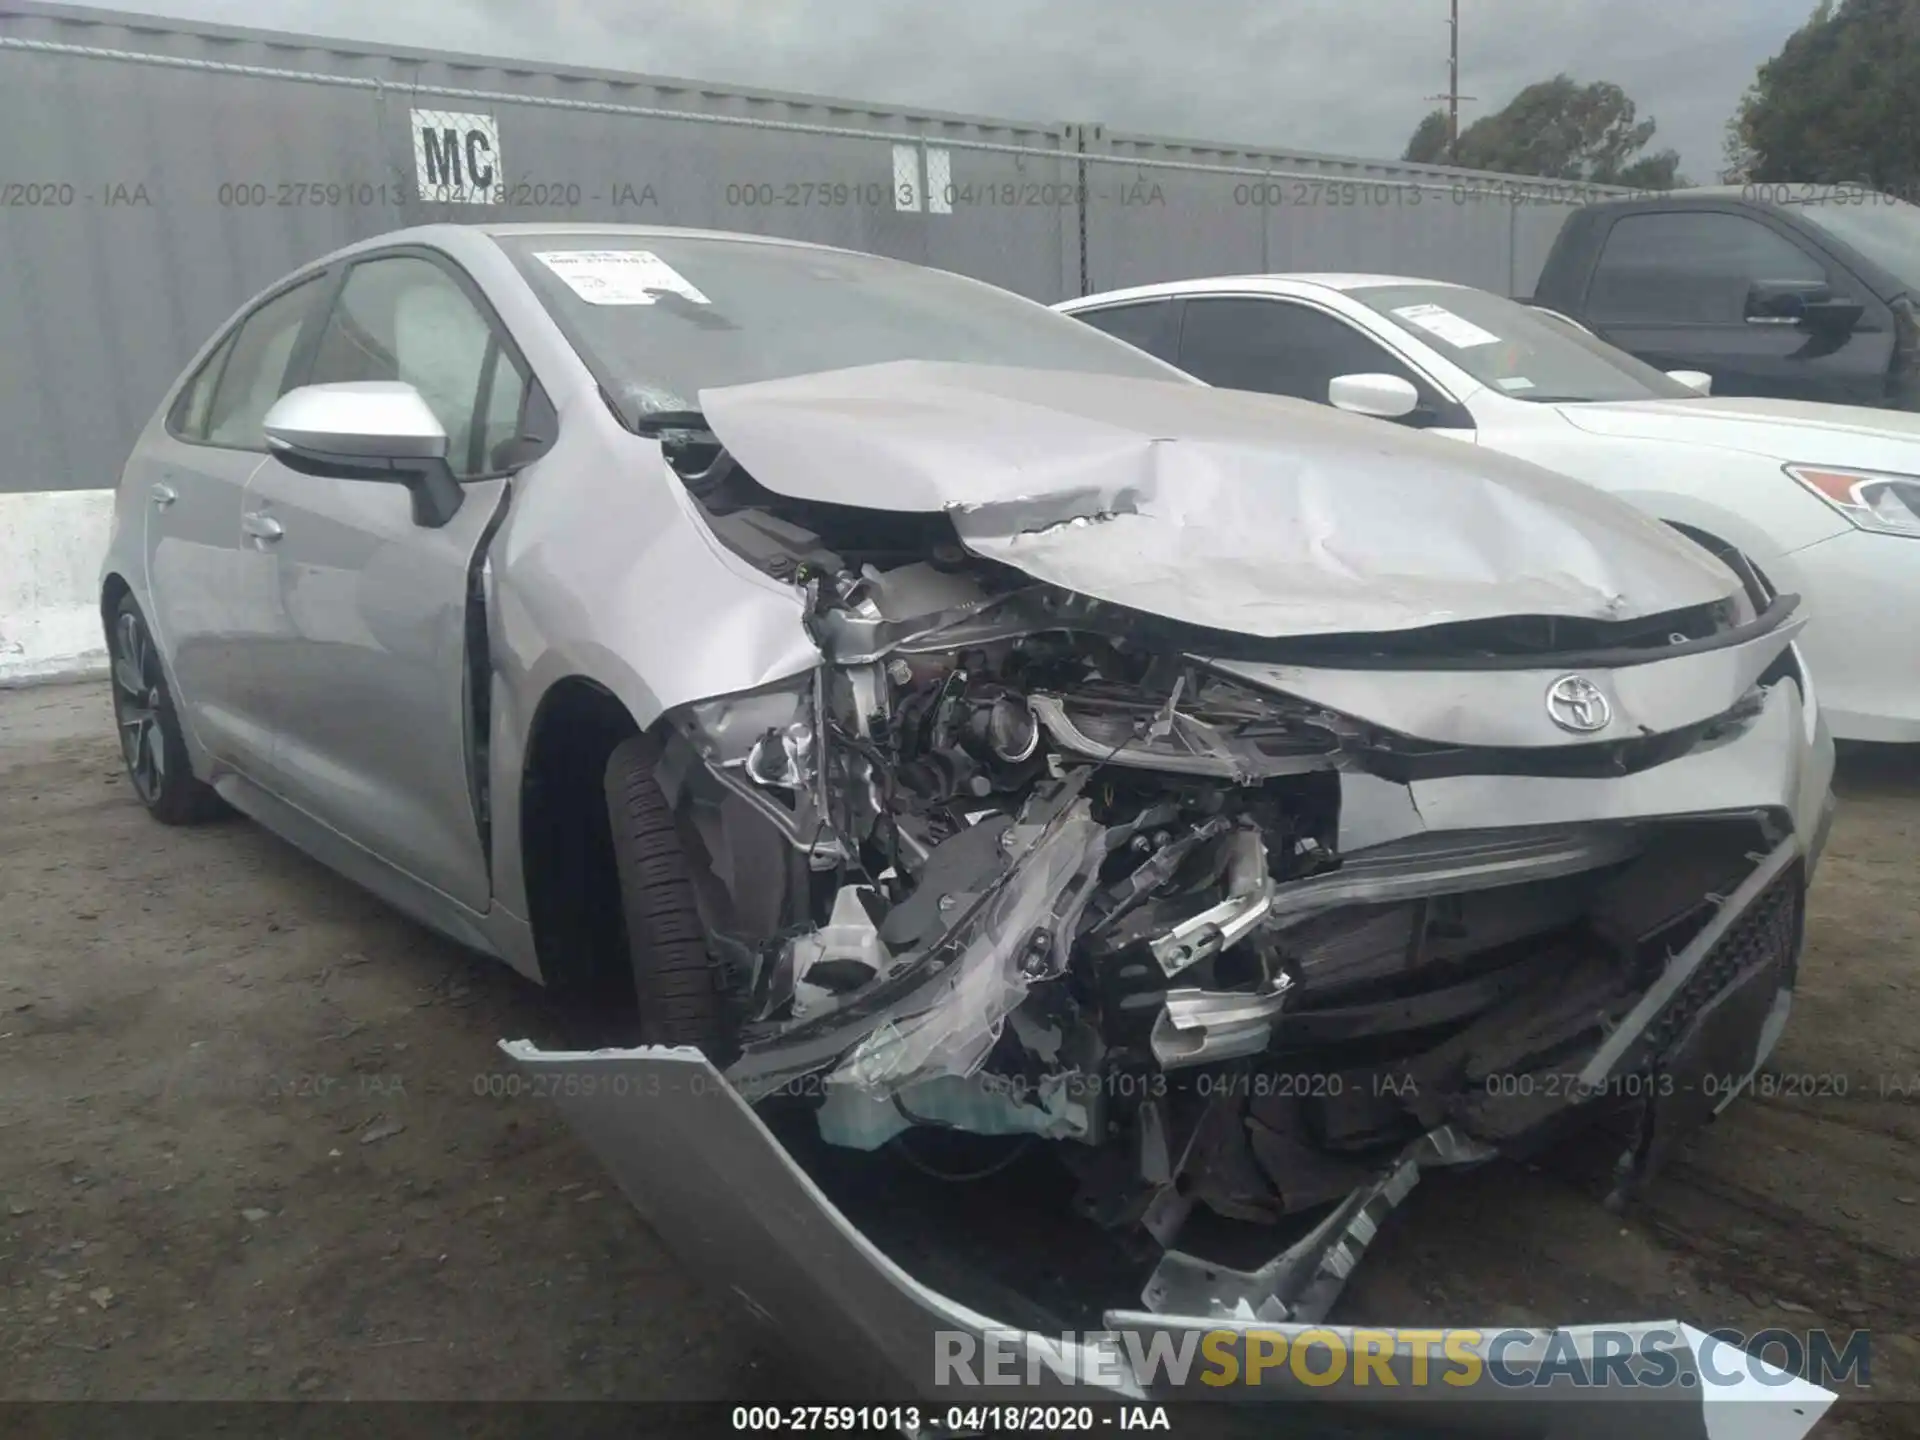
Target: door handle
x,y
163,495
263,528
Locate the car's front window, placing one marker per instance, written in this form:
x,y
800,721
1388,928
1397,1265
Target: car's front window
x,y
1510,348
1885,230
658,318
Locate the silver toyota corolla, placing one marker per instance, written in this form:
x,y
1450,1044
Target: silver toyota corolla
x,y
1081,842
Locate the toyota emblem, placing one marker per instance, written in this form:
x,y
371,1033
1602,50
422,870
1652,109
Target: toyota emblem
x,y
1575,703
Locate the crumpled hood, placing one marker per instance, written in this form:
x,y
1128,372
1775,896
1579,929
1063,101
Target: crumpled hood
x,y
1218,508
1802,431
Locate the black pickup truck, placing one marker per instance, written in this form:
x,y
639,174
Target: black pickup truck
x,y
1794,291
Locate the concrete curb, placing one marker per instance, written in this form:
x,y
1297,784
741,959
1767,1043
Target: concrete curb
x,y
51,547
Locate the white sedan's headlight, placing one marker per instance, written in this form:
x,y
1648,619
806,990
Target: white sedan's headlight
x,y
1889,504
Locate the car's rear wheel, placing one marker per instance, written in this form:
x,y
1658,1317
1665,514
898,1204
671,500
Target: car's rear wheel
x,y
675,979
151,741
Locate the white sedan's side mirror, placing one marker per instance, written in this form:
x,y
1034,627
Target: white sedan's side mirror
x,y
1386,396
1698,381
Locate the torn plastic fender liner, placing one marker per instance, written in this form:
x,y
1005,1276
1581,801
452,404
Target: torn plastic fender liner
x,y
741,1214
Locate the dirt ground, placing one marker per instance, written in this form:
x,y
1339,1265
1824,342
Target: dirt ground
x,y
247,1150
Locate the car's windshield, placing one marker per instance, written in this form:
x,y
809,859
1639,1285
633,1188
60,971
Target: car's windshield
x,y
1885,230
657,318
1512,349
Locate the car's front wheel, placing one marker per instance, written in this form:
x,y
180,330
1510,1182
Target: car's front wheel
x,y
150,738
675,979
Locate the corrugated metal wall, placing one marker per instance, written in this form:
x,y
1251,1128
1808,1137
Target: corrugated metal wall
x,y
154,174
1160,209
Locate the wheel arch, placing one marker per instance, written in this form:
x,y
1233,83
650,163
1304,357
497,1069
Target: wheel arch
x,y
113,589
566,843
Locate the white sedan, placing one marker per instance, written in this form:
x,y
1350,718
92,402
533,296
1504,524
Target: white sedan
x,y
1824,499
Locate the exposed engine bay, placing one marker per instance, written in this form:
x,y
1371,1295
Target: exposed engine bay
x,y
1027,866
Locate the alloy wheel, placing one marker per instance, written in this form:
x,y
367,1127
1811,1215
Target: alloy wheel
x,y
136,706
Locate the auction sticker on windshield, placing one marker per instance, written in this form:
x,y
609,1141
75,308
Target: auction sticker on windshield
x,y
618,277
1442,323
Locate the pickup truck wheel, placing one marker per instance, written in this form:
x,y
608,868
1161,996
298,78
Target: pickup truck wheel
x,y
151,741
674,976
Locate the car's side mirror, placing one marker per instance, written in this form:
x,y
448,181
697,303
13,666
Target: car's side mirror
x,y
1698,381
1386,396
379,430
1782,302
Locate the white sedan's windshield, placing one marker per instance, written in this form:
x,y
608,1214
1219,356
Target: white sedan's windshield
x,y
1515,350
659,318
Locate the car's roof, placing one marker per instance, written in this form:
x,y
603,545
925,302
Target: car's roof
x,y
1762,192
648,232
455,239
1280,283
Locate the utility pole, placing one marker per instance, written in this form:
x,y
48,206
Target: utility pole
x,y
1453,97
1453,83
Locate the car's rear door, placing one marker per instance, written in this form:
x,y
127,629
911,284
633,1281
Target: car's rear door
x,y
370,671
191,477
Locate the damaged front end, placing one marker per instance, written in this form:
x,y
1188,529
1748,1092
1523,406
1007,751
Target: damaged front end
x,y
1091,965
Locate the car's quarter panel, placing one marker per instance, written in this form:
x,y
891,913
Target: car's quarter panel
x,y
362,647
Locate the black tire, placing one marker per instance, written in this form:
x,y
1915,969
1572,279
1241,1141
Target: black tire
x,y
675,979
151,742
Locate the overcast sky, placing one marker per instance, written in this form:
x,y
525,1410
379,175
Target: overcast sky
x,y
1347,76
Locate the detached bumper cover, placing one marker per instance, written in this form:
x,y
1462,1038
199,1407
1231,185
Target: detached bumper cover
x,y
741,1214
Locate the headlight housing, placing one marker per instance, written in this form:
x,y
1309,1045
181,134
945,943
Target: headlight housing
x,y
1872,500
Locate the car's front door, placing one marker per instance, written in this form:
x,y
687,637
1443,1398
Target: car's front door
x,y
193,478
370,669
1284,347
1677,288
